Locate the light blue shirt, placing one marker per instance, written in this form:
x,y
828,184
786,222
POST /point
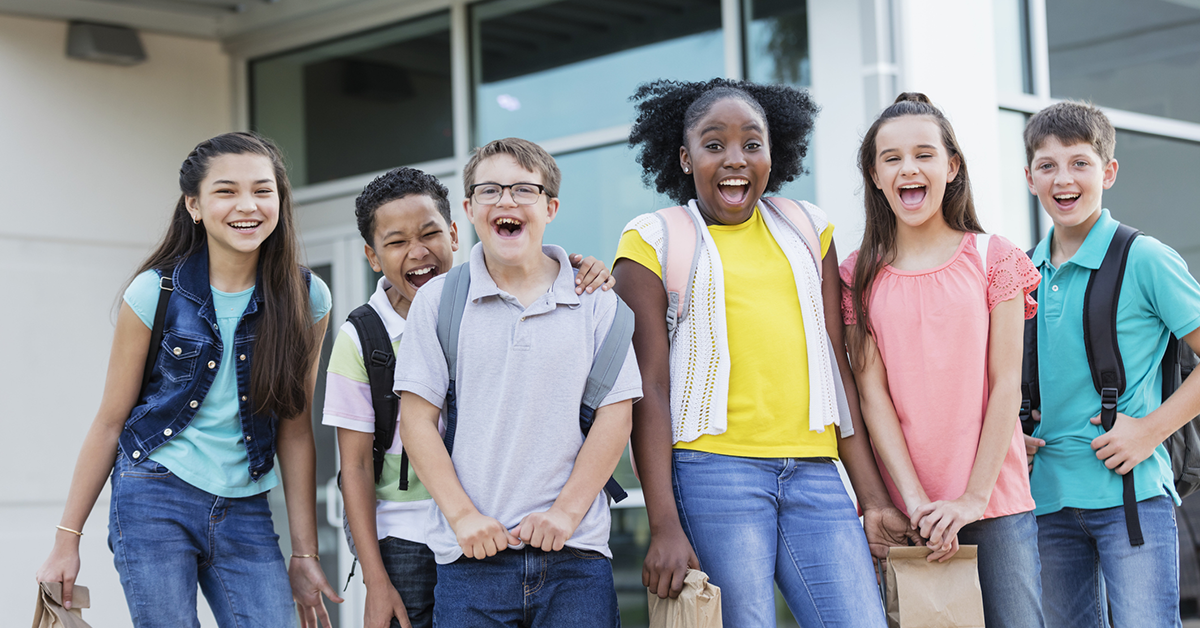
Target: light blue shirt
x,y
210,453
1158,297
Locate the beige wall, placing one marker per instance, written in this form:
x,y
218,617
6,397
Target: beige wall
x,y
89,156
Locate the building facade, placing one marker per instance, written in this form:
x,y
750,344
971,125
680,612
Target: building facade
x,y
350,88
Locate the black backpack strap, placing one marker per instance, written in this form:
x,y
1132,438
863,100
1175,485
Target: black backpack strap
x,y
605,368
450,313
166,285
380,362
1104,352
1031,397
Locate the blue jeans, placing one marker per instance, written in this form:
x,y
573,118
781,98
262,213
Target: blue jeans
x,y
168,536
529,588
411,568
1009,569
1085,552
758,521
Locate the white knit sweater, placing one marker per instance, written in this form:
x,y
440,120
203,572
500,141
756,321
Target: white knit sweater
x,y
699,358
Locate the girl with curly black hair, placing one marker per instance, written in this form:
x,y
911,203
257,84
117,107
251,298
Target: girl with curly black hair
x,y
744,392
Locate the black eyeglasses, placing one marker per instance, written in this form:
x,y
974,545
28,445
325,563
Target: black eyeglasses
x,y
522,193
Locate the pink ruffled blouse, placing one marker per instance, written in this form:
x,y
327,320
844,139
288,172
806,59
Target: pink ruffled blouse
x,y
931,327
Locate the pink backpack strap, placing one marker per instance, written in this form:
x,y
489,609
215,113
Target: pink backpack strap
x,y
681,239
802,222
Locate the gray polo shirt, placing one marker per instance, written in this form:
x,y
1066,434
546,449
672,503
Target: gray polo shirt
x,y
521,374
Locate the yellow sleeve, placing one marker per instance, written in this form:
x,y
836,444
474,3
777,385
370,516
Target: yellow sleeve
x,y
826,239
634,248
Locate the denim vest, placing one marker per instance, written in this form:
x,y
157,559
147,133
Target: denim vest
x,y
187,364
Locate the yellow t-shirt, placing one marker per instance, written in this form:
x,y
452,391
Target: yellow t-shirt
x,y
768,376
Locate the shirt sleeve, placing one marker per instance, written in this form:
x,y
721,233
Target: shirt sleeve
x,y
628,384
1168,287
634,248
142,296
347,389
1010,273
826,238
423,370
319,297
846,272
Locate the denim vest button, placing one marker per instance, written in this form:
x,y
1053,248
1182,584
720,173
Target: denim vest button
x,y
215,328
137,454
194,404
242,357
247,439
167,432
176,350
243,397
212,364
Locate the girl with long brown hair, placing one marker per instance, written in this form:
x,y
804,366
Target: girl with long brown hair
x,y
189,439
935,312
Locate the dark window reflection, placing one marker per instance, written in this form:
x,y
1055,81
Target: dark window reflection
x,y
1141,56
361,104
777,42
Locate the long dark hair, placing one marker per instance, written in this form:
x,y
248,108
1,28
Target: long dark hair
x,y
285,341
879,233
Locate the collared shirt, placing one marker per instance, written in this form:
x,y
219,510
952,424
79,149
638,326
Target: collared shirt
x,y
348,405
1158,297
520,380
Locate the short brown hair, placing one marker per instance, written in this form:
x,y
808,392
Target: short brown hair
x,y
530,156
1072,123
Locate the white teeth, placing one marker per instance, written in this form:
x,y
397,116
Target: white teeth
x,y
1066,197
911,186
421,271
734,182
243,225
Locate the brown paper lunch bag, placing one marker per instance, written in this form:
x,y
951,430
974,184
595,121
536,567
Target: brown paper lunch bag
x,y
49,612
921,594
698,605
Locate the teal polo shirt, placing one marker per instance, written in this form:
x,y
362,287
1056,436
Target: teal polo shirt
x,y
1158,297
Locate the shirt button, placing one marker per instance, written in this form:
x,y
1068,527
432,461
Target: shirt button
x,y
193,403
176,350
167,432
1054,288
212,364
242,357
522,319
137,454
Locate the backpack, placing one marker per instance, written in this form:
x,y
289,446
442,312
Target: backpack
x,y
380,362
682,254
603,374
1108,374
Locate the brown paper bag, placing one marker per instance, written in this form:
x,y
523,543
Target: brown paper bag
x,y
49,612
698,605
933,595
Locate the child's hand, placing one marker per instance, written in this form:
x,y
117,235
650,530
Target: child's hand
x,y
481,536
308,583
384,603
1125,445
592,274
939,522
62,566
888,527
547,530
1032,445
668,558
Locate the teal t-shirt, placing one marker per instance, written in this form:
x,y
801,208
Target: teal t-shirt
x,y
1158,297
210,453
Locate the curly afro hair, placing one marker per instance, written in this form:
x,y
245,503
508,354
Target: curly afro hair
x,y
667,110
394,184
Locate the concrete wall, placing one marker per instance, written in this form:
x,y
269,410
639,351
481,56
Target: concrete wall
x,y
88,170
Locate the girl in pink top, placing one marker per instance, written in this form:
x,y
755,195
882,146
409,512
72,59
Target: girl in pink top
x,y
937,349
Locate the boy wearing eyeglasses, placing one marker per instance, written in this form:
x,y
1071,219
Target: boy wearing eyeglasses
x,y
521,534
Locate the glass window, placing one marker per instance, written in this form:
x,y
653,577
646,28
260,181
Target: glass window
x,y
560,68
1156,191
1139,56
362,104
1014,70
777,42
1017,220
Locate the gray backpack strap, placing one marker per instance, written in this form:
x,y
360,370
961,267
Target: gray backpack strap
x,y
450,313
610,358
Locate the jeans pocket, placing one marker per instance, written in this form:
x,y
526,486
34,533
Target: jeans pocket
x,y
690,455
585,554
148,469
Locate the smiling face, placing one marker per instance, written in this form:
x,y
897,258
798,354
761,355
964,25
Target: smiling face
x,y
511,233
1070,181
726,152
238,203
412,244
912,167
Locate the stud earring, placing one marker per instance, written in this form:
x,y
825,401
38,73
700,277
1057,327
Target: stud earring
x,y
686,170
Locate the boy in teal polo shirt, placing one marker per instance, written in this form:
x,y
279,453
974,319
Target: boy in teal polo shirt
x,y
1076,478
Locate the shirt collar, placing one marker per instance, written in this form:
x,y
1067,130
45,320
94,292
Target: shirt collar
x,y
1091,252
392,321
562,291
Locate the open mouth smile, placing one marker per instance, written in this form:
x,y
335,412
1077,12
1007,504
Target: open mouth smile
x,y
507,227
734,190
245,226
912,194
1066,200
420,276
